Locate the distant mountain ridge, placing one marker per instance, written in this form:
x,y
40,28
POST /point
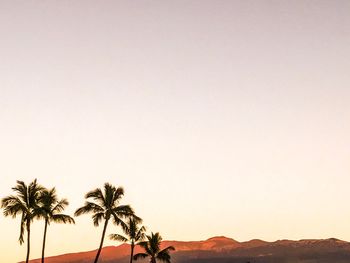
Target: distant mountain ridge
x,y
227,250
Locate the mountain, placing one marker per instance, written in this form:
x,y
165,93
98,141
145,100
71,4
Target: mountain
x,y
227,250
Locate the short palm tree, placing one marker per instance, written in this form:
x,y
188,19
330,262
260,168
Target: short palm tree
x,y
133,234
152,249
50,209
104,205
24,202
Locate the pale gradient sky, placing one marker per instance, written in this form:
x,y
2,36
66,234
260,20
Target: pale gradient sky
x,y
218,117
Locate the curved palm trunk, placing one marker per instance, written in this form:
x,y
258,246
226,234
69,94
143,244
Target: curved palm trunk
x,y
28,241
101,243
132,252
44,242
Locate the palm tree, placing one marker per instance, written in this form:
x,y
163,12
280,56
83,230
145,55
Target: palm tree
x,y
152,249
104,205
51,208
24,203
134,234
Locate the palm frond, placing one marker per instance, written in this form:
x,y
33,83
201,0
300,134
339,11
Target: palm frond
x,y
97,218
136,219
123,211
60,206
89,207
140,256
126,227
97,196
168,249
148,249
109,192
118,194
34,191
21,231
164,257
21,190
61,218
13,206
40,213
154,242
140,235
117,237
143,244
119,222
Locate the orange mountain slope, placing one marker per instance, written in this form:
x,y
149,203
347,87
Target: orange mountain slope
x,y
223,249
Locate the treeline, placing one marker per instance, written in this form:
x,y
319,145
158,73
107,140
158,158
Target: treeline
x,y
36,202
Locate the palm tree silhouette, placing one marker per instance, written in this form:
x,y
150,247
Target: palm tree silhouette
x,y
134,234
104,205
51,208
152,249
24,203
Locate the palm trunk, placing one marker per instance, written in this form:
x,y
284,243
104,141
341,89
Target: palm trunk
x,y
44,241
102,239
132,251
28,240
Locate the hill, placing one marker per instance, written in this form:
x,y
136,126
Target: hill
x,y
227,250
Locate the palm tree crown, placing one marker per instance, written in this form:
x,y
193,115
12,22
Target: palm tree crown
x,y
24,202
51,208
105,205
153,249
134,234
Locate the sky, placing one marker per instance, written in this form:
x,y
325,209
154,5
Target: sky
x,y
217,117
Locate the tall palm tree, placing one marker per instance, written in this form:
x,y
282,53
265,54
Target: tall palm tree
x,y
24,202
51,208
134,234
152,249
104,205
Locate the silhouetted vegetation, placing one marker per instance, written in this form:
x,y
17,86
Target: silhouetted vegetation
x,y
23,203
50,209
104,205
152,249
34,201
135,234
